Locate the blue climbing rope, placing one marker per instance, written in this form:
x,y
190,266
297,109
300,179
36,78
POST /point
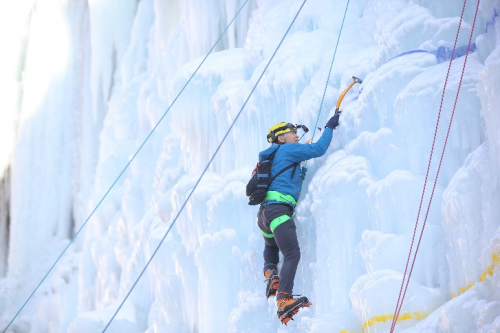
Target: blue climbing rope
x,y
328,78
126,166
205,170
329,72
442,53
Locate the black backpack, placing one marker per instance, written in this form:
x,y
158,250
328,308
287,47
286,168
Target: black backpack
x,y
261,179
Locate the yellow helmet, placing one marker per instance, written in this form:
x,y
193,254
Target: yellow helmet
x,y
278,129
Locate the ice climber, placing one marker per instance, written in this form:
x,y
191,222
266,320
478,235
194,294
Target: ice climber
x,y
276,211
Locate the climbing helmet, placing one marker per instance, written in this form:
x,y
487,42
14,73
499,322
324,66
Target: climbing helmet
x,y
278,129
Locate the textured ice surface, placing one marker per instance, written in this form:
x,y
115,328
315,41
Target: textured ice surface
x,y
99,75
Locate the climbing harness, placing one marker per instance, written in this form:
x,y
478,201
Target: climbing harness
x,y
206,168
126,166
402,293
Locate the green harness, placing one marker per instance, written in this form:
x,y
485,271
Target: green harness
x,y
280,197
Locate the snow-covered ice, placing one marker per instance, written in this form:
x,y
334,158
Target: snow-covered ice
x,y
85,82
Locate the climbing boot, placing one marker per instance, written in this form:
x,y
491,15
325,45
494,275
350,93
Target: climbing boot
x,y
273,282
289,306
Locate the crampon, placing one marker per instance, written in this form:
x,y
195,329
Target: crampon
x,y
291,307
273,283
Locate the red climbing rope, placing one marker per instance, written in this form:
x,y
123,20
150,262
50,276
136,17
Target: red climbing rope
x,y
401,293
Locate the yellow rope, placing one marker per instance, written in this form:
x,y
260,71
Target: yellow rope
x,y
495,261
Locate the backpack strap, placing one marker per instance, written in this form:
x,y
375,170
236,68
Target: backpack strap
x,y
271,157
294,165
295,168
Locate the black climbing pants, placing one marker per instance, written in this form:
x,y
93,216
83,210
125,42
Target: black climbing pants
x,y
284,239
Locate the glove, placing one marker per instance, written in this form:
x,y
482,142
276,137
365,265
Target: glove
x,y
333,122
303,172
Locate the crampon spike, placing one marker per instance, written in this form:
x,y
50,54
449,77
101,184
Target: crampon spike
x,y
286,317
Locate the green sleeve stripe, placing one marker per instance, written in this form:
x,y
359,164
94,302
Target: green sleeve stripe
x,y
277,221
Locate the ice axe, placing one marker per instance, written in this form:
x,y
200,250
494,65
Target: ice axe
x,y
354,81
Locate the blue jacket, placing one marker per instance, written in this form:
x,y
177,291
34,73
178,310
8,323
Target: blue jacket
x,y
290,153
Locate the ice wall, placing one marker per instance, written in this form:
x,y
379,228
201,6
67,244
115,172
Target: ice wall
x,y
14,19
54,161
125,63
4,220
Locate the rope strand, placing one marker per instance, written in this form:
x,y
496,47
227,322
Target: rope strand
x,y
125,168
396,315
396,311
204,171
330,72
